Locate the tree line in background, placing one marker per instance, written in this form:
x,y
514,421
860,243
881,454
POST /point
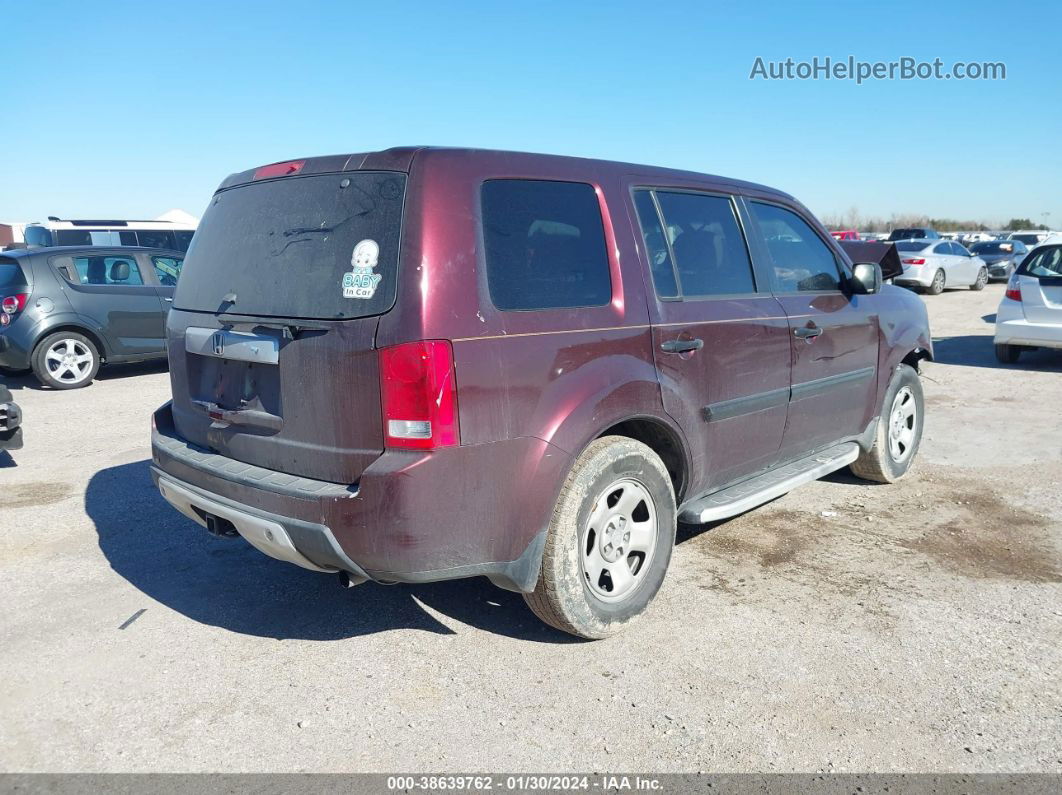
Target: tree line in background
x,y
854,220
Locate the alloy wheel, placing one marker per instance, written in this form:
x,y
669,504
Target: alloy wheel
x,y
68,361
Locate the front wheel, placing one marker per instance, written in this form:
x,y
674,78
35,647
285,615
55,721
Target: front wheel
x,y
899,430
982,280
65,360
609,542
936,287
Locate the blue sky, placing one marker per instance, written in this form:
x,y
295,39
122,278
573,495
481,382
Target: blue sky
x,y
130,109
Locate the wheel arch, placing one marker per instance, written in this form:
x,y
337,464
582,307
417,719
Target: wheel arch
x,y
662,438
77,328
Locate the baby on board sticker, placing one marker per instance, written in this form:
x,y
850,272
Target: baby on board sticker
x,y
362,281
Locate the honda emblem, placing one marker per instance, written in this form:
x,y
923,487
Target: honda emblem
x,y
217,343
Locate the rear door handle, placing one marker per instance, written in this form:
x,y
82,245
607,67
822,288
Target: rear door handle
x,y
807,332
681,346
170,300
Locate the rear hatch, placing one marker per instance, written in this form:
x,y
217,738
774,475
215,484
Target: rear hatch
x,y
271,341
1040,279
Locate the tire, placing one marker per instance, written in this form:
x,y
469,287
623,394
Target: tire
x,y
1007,354
894,449
615,485
982,280
936,287
65,360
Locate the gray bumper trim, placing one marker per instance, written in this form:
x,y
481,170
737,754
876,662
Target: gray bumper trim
x,y
314,542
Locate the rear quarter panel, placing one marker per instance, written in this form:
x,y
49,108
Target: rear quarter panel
x,y
560,375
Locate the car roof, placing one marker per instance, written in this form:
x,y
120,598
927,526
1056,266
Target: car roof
x,y
29,252
401,159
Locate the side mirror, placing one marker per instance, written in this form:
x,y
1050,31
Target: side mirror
x,y
866,278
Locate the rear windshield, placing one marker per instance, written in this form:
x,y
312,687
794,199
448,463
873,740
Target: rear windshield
x,y
1044,263
321,247
993,248
904,234
11,273
1026,239
910,245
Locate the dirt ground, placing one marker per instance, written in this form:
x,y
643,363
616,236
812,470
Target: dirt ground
x,y
844,627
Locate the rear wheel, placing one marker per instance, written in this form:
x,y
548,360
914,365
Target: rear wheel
x,y
982,280
899,430
65,360
936,287
1007,354
609,542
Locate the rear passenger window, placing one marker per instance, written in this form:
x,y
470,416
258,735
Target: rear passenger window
x,y
800,258
656,248
707,245
544,244
116,271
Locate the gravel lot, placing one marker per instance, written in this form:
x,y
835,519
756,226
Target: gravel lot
x,y
844,627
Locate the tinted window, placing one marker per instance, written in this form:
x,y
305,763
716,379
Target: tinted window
x,y
544,244
1027,239
656,249
127,238
184,239
910,245
323,246
942,248
73,237
37,236
155,238
959,250
1047,262
167,269
11,273
997,247
108,270
801,260
707,244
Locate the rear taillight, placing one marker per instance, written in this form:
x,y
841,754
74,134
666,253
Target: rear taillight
x,y
419,395
916,261
1013,289
14,303
10,306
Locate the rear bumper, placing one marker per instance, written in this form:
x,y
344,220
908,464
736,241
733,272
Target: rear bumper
x,y
12,353
412,517
915,276
1019,331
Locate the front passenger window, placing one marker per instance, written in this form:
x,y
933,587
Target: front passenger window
x,y
168,269
802,262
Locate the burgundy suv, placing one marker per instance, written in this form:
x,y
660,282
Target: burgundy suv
x,y
423,364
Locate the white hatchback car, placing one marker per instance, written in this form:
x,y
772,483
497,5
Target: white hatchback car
x,y
1030,314
933,265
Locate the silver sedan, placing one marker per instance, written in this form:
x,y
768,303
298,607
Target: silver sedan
x,y
932,265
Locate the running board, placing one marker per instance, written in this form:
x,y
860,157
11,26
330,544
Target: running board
x,y
774,483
